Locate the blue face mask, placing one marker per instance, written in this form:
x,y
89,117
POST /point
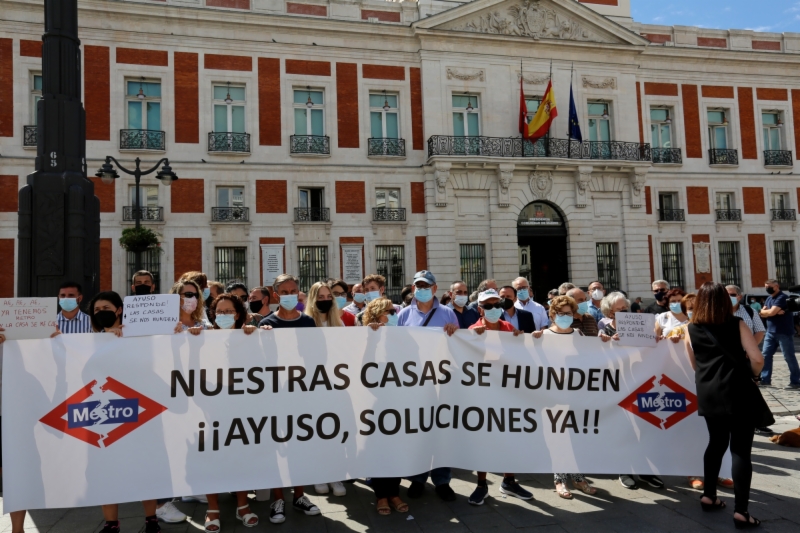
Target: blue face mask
x,y
564,322
583,308
68,304
373,295
393,319
689,314
206,293
523,295
225,321
675,307
493,315
289,301
548,302
341,302
359,298
734,301
423,295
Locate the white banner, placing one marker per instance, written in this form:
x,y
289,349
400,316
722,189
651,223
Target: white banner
x,y
93,419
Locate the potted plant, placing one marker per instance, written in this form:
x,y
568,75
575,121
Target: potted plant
x,y
138,239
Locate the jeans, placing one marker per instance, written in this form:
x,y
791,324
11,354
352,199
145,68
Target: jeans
x,y
786,342
439,476
724,431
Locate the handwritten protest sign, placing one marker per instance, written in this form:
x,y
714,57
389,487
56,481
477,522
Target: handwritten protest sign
x,y
152,314
636,329
28,318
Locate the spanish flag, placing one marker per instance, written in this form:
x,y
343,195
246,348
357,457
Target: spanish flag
x,y
540,124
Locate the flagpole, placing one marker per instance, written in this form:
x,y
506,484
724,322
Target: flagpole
x,y
569,117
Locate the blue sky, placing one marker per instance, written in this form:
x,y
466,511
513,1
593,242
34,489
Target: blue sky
x,y
760,15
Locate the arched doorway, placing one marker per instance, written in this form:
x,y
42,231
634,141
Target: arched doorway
x,y
542,240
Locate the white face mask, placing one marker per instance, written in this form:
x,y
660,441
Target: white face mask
x,y
597,294
461,300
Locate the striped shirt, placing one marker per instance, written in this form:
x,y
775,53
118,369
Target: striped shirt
x,y
81,323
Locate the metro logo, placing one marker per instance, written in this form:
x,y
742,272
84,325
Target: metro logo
x,y
93,413
647,404
650,402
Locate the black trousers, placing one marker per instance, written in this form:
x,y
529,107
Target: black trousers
x,y
386,487
724,431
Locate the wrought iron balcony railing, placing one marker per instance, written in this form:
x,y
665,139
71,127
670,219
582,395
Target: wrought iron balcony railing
x,y
141,140
151,214
784,214
312,214
310,144
517,147
386,146
667,156
671,215
381,214
226,141
719,156
729,215
778,158
230,214
29,136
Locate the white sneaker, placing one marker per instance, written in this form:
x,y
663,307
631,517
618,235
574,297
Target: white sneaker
x,y
199,498
321,488
338,488
170,514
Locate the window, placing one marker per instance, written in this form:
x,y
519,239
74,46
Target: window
x,y
148,195
672,263
312,265
36,95
730,271
608,264
383,117
143,100
387,198
599,122
229,105
309,119
668,201
725,201
466,122
779,201
389,262
784,262
150,261
312,198
772,123
473,265
230,196
661,127
231,264
717,129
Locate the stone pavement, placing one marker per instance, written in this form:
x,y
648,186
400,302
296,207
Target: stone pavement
x,y
782,400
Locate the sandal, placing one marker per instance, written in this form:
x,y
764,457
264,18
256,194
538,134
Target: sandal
x,y
399,505
742,524
562,491
718,505
246,518
212,523
585,488
382,507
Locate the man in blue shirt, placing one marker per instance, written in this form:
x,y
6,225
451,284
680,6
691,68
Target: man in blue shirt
x,y
596,293
426,311
459,298
780,331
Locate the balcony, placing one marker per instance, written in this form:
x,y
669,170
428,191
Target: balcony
x,y
386,147
230,214
146,214
547,148
310,144
778,158
383,214
789,215
29,137
667,156
671,215
142,140
312,214
226,141
719,156
729,215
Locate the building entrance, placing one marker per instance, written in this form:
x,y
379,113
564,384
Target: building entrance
x,y
542,240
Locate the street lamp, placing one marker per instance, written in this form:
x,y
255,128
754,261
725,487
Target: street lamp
x,y
108,174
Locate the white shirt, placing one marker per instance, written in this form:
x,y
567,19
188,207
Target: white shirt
x,y
538,311
668,322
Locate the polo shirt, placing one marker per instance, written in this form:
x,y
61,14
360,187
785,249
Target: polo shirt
x,y
412,316
303,321
467,317
779,324
504,326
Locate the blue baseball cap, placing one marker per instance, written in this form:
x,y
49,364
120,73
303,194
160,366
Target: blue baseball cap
x,y
426,276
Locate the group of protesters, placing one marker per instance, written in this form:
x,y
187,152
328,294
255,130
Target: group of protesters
x,y
696,319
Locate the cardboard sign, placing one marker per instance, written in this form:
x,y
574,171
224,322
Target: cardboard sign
x,y
28,318
636,329
151,314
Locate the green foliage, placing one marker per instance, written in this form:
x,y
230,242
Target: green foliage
x,y
134,240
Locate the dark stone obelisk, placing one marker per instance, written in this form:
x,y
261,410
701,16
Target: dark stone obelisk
x,y
59,215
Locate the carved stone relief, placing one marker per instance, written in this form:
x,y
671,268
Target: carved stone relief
x,y
599,83
464,76
541,184
638,178
505,173
583,175
535,78
441,175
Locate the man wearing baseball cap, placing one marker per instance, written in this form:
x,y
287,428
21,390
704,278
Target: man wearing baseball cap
x,y
425,311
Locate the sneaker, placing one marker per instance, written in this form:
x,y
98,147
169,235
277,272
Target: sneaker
x,y
304,504
793,386
321,488
764,431
512,488
628,482
445,492
725,482
338,488
170,514
478,495
201,498
276,515
416,489
653,481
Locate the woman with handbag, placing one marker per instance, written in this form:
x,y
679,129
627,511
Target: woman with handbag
x,y
727,361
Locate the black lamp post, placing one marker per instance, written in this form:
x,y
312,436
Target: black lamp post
x,y
108,174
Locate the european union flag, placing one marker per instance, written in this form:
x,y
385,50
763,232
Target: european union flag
x,y
574,125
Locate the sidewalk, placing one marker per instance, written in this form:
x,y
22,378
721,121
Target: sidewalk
x,y
782,401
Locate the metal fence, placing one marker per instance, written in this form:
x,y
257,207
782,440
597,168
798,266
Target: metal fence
x,y
784,262
151,261
141,140
518,147
390,261
672,263
231,264
473,265
608,264
730,270
312,265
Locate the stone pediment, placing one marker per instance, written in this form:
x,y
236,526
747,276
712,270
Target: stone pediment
x,y
566,20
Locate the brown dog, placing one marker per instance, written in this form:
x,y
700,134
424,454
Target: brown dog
x,y
790,438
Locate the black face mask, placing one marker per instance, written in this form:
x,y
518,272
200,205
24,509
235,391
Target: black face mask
x,y
255,306
323,306
104,319
660,295
507,304
770,290
141,290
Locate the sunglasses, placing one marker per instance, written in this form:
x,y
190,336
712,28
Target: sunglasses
x,y
391,311
498,305
189,294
